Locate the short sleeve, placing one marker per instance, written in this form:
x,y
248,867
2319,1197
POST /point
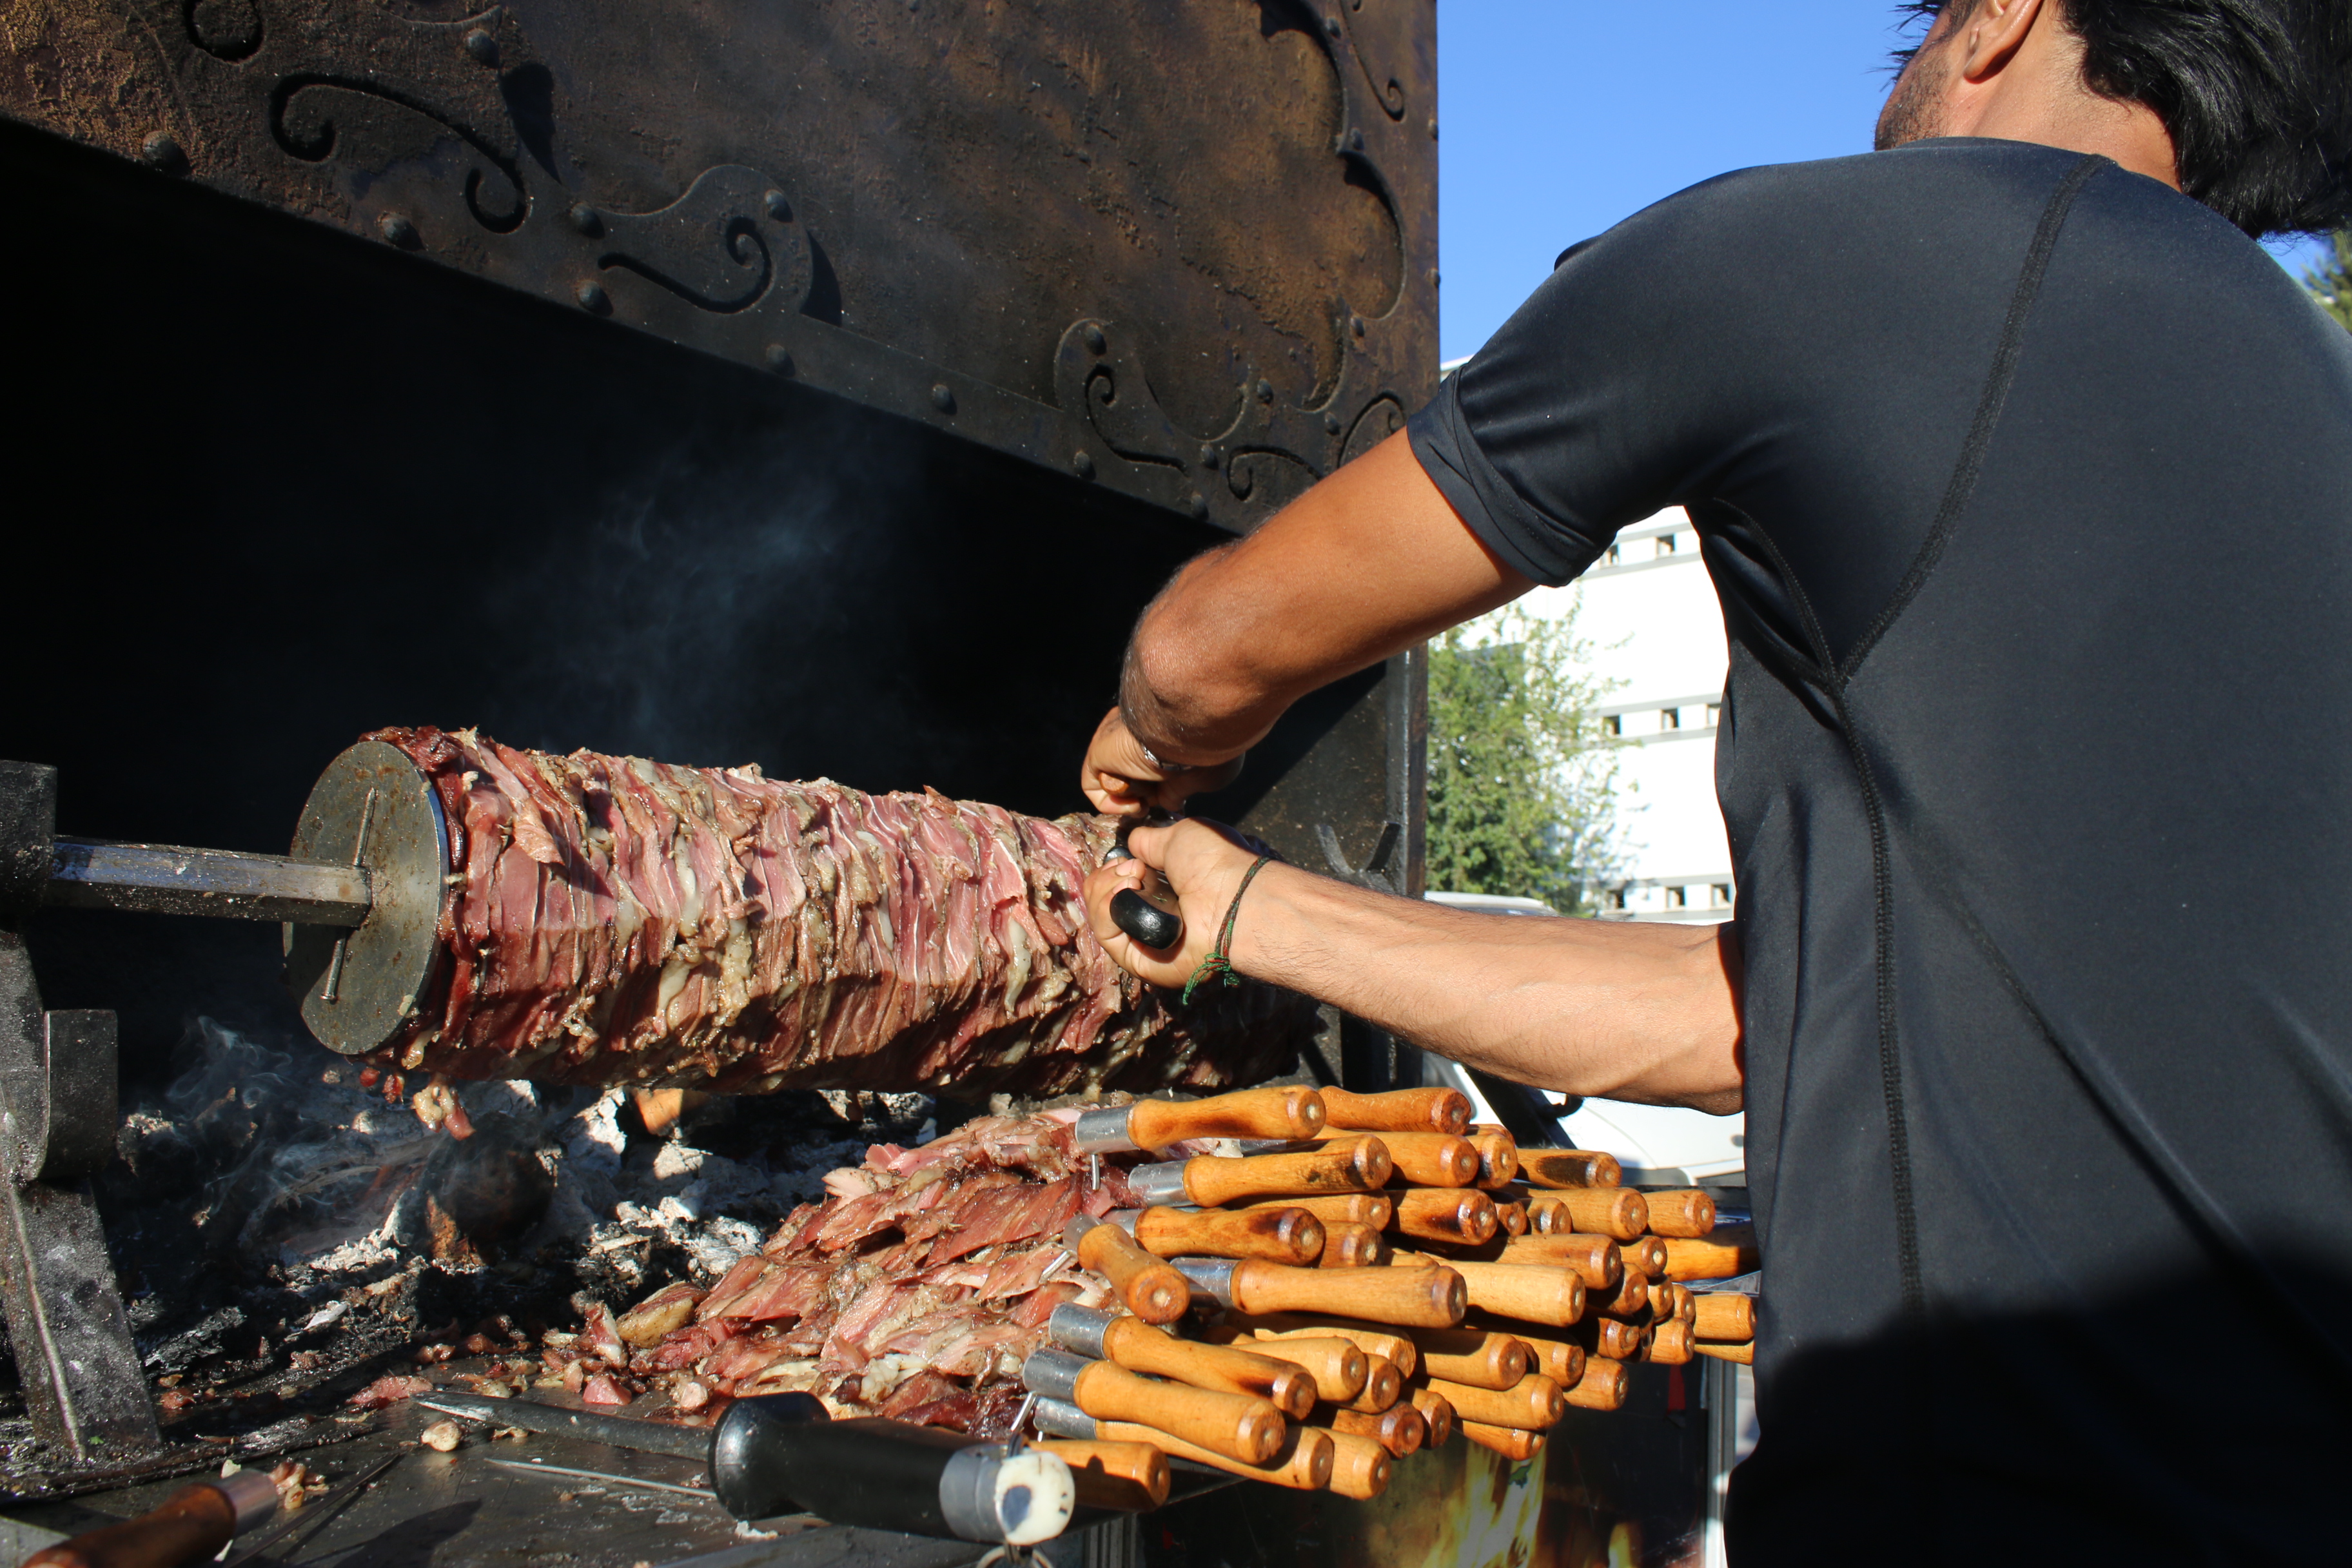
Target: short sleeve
x,y
1602,401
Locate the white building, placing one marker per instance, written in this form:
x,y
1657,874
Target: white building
x,y
1647,611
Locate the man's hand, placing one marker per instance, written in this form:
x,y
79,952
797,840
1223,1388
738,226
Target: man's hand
x,y
1121,779
1205,862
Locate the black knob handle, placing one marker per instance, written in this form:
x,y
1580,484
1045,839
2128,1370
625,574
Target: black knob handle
x,y
1144,920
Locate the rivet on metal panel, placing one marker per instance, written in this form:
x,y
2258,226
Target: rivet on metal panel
x,y
1092,336
1432,276
587,220
1331,25
943,398
1265,392
780,359
1355,326
1355,139
398,230
1330,425
482,46
1196,504
592,297
778,208
1432,130
162,151
1083,465
1211,457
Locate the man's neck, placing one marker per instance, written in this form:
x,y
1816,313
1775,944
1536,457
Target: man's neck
x,y
2039,95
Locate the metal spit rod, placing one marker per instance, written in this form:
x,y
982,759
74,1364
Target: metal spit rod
x,y
172,880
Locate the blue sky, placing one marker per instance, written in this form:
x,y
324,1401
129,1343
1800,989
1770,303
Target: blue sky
x,y
1560,117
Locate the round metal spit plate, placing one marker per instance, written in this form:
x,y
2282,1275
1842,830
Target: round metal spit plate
x,y
388,961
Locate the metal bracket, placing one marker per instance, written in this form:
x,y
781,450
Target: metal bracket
x,y
29,831
83,1384
1376,872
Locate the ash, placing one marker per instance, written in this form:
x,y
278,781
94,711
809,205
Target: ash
x,y
284,1238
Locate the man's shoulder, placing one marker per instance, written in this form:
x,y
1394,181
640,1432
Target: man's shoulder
x,y
1820,195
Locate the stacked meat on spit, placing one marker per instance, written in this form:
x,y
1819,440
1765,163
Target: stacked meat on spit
x,y
612,921
1373,1276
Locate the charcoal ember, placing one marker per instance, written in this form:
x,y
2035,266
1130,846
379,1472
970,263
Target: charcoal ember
x,y
914,1289
614,920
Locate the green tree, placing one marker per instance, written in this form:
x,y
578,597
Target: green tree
x,y
2331,283
1522,778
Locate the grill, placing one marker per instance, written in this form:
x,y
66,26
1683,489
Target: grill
x,y
821,387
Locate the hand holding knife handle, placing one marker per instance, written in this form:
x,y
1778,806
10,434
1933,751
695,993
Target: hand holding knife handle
x,y
191,1524
1150,915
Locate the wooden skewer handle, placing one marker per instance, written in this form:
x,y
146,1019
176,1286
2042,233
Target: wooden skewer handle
x,y
1597,1261
1619,1213
1126,1478
1724,1315
1441,1214
1668,1344
1361,1166
1139,1347
1410,1298
1480,1357
1398,1111
1533,1404
1617,1339
1383,1386
1499,1157
1335,1366
1562,1361
1569,1168
1602,1386
1650,1256
1629,1298
1743,1353
1436,1413
1361,1467
1303,1463
1719,1257
1511,1442
191,1524
1372,1339
1278,1235
1536,1293
1240,1427
1348,1246
1685,1213
1292,1112
1152,1290
1401,1428
1511,1219
1337,1208
1425,1159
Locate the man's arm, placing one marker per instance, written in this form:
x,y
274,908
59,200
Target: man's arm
x,y
1624,1011
1366,563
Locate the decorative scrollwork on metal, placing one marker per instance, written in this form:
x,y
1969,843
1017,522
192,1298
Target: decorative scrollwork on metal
x,y
301,122
722,248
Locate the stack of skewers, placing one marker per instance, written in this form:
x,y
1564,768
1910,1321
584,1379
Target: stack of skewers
x,y
1367,1276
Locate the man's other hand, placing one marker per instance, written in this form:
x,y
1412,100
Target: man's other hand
x,y
1205,862
1121,778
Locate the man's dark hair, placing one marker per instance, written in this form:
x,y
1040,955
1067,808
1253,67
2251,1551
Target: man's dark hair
x,y
2256,93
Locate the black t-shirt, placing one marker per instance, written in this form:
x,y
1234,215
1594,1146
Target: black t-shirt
x,y
2026,486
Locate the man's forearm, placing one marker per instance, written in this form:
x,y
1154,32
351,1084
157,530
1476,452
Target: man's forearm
x,y
1623,1010
1370,562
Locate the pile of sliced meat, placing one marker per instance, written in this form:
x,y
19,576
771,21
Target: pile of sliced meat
x,y
915,1291
614,920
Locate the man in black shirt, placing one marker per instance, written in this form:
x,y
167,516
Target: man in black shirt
x,y
2025,480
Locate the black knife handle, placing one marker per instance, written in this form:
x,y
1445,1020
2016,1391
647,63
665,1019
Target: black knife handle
x,y
1144,920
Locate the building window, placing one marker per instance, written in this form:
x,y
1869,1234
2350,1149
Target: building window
x,y
1614,556
1665,544
1616,898
1677,897
1670,718
1614,724
1713,714
1720,895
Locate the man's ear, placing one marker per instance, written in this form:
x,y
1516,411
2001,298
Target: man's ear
x,y
1992,34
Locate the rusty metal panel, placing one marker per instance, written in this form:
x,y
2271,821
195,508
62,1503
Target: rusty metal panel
x,y
1183,251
